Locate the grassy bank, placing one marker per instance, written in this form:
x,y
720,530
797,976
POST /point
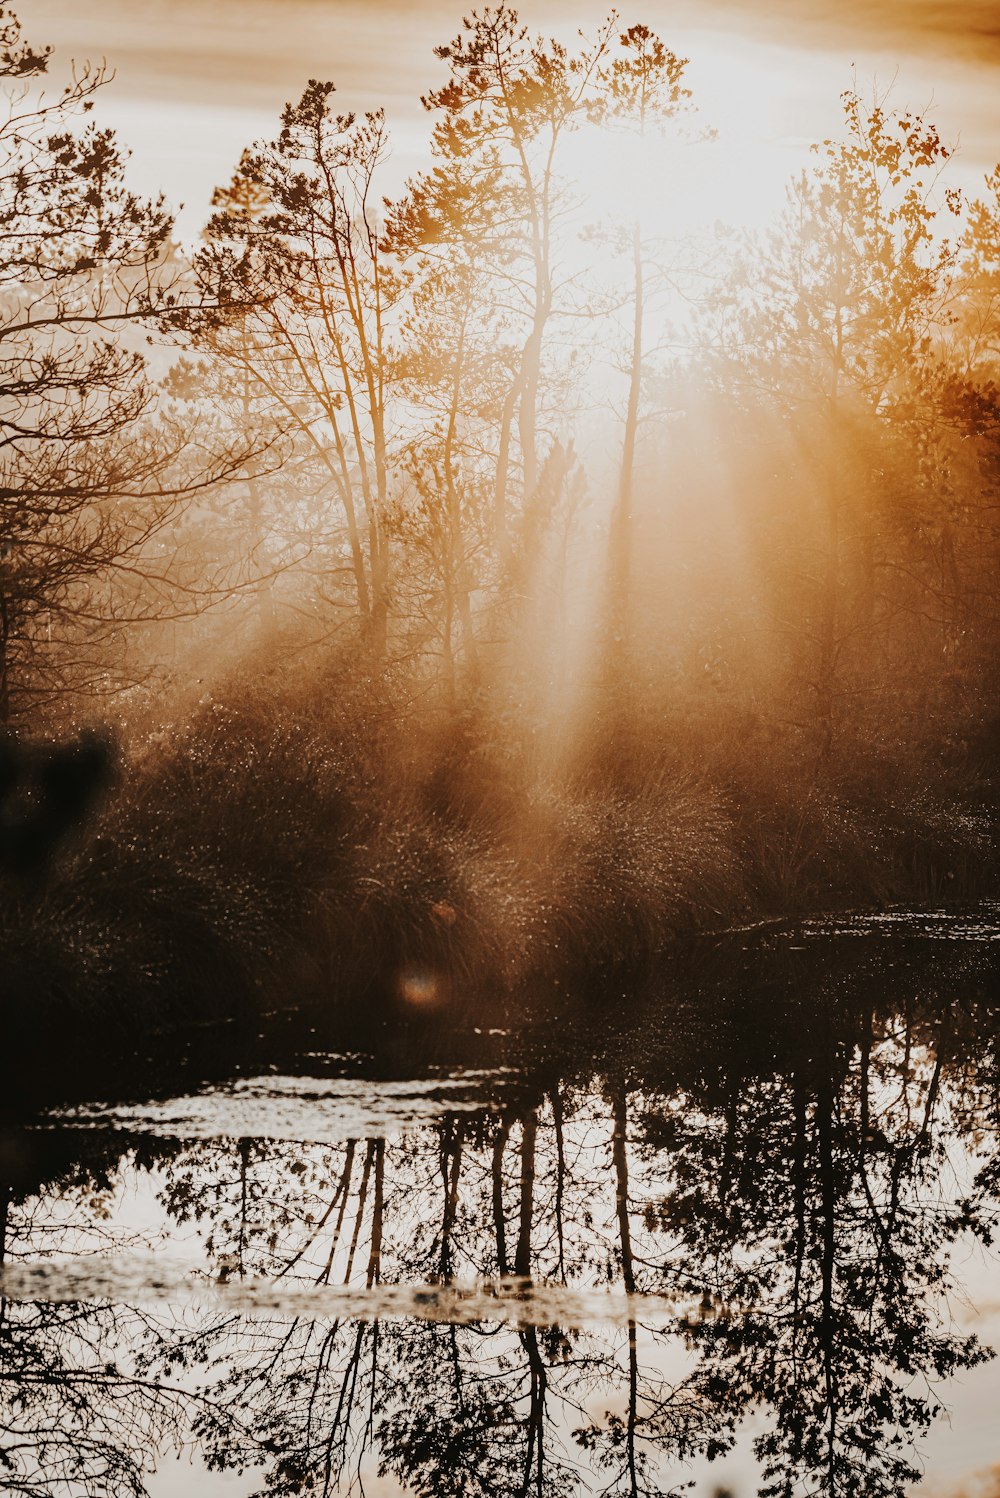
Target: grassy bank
x,y
277,846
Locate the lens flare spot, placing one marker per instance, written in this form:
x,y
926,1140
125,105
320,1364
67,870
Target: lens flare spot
x,y
419,986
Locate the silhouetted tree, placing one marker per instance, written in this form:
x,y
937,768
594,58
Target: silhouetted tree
x,y
89,477
494,199
835,316
641,93
298,237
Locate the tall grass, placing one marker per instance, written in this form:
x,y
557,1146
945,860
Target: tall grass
x,y
319,843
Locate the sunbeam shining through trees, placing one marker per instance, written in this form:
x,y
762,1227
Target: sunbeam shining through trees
x,y
499,748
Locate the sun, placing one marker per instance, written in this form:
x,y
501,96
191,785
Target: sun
x,y
677,183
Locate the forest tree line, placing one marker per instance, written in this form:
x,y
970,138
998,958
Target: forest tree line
x,y
473,583
359,420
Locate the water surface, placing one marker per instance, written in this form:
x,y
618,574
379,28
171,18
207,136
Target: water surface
x,y
729,1224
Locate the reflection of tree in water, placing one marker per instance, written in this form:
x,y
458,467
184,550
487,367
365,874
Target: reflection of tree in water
x,y
270,1208
79,1410
819,1204
791,1190
72,1419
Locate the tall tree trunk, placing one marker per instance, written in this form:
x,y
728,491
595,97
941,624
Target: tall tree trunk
x,y
501,521
522,1253
499,1220
619,1151
557,1120
824,1119
451,1169
527,410
621,520
379,565
362,1198
375,1252
244,1151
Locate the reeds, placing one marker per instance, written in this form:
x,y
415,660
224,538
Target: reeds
x,y
283,846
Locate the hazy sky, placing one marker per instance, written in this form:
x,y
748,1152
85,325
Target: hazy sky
x,y
198,79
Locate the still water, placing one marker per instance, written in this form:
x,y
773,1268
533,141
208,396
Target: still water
x,y
723,1229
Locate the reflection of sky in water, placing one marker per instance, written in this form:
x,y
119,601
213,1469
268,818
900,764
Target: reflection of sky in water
x,y
182,1476
293,1108
426,1157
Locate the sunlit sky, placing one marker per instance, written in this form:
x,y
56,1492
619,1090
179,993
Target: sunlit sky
x,y
197,80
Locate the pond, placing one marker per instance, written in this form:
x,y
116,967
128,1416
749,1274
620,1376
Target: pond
x,y
723,1227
